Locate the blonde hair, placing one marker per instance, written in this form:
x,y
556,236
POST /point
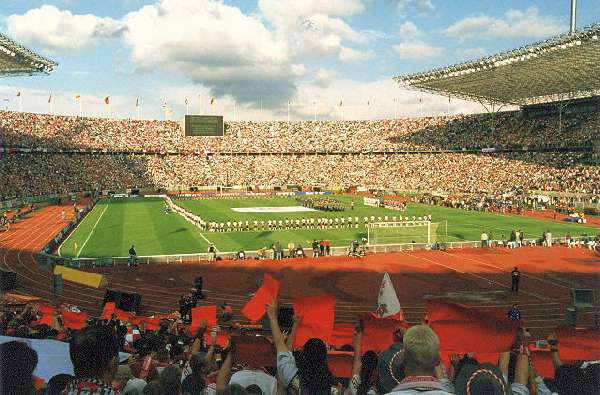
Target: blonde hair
x,y
421,348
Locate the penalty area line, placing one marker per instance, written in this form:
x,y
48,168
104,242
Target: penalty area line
x,y
209,242
91,232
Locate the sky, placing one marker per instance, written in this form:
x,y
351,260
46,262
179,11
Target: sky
x,y
259,58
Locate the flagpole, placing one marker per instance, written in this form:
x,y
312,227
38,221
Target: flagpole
x,y
421,107
80,106
448,112
315,109
234,115
187,107
395,108
288,118
199,105
261,109
20,102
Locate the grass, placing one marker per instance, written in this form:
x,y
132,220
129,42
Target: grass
x,y
142,222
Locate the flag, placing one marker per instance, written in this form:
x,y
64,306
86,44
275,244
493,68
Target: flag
x,y
132,335
77,97
254,309
19,94
318,315
340,103
388,304
212,101
368,103
49,98
578,344
74,320
206,313
186,101
106,100
420,100
137,101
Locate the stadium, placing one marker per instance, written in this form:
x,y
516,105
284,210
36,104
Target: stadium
x,y
449,253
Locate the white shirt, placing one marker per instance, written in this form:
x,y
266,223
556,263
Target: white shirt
x,y
245,378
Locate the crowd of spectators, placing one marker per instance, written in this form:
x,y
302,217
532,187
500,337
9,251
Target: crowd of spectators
x,y
25,174
428,133
175,359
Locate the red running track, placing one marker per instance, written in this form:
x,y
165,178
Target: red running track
x,y
478,277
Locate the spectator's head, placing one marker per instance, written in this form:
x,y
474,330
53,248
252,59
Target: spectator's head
x,y
464,361
315,376
170,380
367,370
421,350
57,384
198,362
569,380
95,353
16,375
484,379
390,368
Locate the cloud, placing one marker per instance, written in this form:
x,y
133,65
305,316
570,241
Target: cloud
x,y
60,30
215,45
417,49
353,55
323,77
421,6
315,29
408,31
472,53
515,23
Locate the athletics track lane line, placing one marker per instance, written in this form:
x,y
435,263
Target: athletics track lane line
x,y
540,279
92,231
470,274
20,234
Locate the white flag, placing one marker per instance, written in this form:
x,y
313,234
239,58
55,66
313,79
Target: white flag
x,y
388,304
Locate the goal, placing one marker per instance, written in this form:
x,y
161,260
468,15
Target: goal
x,y
380,233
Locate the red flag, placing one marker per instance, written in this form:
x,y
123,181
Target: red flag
x,y
378,333
150,323
207,313
268,291
107,311
46,315
73,320
106,100
578,344
318,315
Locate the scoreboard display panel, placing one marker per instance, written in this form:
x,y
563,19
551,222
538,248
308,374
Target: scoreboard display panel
x,y
204,125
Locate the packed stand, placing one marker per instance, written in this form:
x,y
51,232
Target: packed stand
x,y
35,131
26,174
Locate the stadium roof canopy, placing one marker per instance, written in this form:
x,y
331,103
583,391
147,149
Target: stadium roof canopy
x,y
15,59
560,68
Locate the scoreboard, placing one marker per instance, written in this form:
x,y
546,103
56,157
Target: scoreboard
x,y
204,125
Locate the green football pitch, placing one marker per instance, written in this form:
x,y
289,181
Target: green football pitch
x,y
116,224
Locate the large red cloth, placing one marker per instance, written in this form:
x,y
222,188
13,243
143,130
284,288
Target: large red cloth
x,y
73,320
578,344
206,313
486,336
318,315
441,310
342,334
340,363
254,310
378,333
255,351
